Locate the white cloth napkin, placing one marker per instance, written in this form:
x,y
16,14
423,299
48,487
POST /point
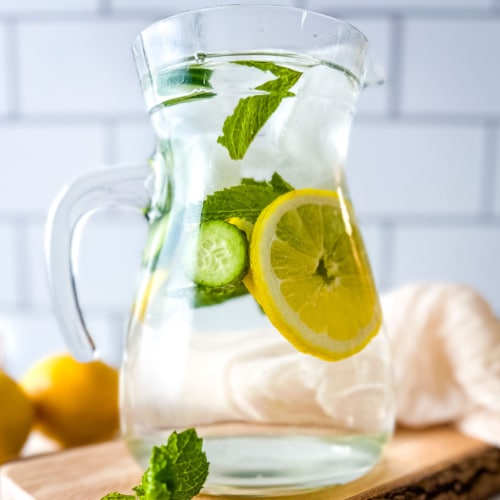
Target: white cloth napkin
x,y
445,342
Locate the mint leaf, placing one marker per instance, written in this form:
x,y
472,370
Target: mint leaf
x,y
239,129
154,483
176,471
279,184
246,200
287,77
251,113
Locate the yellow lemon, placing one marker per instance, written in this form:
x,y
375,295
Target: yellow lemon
x,y
75,403
311,274
16,418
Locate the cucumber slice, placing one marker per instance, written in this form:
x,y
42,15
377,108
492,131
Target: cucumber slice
x,y
219,254
209,296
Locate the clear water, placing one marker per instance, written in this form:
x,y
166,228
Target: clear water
x,y
264,466
225,364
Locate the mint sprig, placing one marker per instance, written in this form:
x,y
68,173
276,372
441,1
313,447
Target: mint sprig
x,y
176,471
251,113
245,200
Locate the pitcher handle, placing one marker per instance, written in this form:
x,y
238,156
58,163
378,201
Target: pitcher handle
x,y
109,187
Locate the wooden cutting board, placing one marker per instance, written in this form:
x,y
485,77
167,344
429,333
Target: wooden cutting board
x,y
433,463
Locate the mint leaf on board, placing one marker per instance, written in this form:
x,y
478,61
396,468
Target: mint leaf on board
x,y
245,200
118,496
251,113
176,471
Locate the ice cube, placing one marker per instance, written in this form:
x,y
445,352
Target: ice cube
x,y
313,127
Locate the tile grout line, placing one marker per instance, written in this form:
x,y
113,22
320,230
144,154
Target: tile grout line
x,y
441,13
13,70
104,8
395,66
490,159
78,119
84,16
386,261
27,218
428,118
75,119
435,219
110,146
23,264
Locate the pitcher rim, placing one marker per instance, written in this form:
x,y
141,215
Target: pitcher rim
x,y
233,6
237,6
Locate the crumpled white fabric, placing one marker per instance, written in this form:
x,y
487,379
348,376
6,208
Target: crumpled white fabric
x,y
445,342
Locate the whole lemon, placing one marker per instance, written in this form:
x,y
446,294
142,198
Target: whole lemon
x,y
16,418
75,403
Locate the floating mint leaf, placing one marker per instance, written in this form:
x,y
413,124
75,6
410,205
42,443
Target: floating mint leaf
x,y
239,129
251,113
287,77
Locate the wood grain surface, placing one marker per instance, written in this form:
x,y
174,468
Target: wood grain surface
x,y
433,463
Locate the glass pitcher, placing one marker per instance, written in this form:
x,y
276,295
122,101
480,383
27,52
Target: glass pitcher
x,y
256,319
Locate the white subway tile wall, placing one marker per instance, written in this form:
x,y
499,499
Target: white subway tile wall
x,y
423,168
399,4
133,142
4,97
47,6
39,158
429,161
451,66
9,267
495,182
78,67
463,253
376,99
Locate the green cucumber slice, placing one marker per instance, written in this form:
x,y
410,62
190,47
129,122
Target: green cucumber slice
x,y
209,296
218,254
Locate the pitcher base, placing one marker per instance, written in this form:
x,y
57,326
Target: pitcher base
x,y
266,466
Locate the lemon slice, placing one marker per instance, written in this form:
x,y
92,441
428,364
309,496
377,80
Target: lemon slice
x,y
311,274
